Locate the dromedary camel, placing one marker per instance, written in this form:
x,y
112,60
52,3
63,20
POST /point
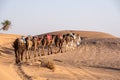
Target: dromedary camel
x,y
31,47
47,42
19,48
59,42
35,46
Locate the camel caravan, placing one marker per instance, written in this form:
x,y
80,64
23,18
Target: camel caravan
x,y
36,46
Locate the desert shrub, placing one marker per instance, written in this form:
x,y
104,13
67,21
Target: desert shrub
x,y
48,63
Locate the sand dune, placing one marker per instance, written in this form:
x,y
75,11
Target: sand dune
x,y
89,34
98,58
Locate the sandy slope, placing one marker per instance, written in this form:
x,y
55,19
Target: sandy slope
x,y
93,60
7,71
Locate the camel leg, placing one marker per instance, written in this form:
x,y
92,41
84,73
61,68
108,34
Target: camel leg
x,y
22,55
34,53
18,59
51,50
38,51
29,54
61,49
26,55
42,52
66,47
16,56
48,50
58,50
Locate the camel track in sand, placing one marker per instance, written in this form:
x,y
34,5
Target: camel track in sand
x,y
21,73
16,68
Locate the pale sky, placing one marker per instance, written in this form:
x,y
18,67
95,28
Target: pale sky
x,y
33,17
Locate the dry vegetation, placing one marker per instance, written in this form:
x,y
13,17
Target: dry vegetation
x,y
48,63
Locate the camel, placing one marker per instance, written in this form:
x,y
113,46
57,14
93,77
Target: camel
x,y
69,40
39,41
72,41
47,43
29,45
19,48
59,42
35,46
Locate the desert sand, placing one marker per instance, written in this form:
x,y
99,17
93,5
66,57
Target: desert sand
x,y
97,58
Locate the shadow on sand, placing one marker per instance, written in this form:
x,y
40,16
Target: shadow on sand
x,y
6,50
110,68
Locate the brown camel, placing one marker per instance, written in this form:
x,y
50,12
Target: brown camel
x,y
19,48
35,46
47,43
29,46
59,40
39,42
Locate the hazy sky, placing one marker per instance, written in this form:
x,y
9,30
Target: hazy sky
x,y
41,16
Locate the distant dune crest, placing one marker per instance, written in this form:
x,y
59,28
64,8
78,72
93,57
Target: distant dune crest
x,y
89,34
